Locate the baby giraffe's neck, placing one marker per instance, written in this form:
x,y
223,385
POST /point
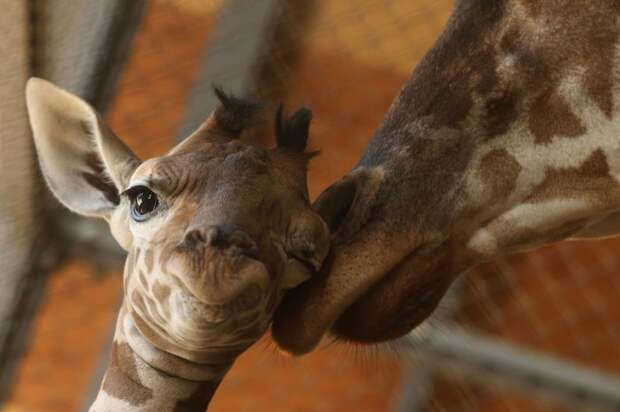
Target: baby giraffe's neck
x,y
133,383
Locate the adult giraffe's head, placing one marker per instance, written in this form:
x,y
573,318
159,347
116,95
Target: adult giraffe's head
x,y
214,230
506,137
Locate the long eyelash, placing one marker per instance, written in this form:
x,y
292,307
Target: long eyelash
x,y
133,191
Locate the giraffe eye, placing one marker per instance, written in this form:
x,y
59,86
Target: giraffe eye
x,y
143,202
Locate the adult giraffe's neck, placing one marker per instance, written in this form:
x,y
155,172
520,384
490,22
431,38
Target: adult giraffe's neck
x,y
132,384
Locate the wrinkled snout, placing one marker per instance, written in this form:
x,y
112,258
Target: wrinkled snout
x,y
212,298
219,263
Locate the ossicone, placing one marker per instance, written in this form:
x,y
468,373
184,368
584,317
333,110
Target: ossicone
x,y
235,114
292,132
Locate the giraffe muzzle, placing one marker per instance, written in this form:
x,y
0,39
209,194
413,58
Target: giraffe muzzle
x,y
217,305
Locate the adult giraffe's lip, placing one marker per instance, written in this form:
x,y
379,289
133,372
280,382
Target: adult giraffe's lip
x,y
308,311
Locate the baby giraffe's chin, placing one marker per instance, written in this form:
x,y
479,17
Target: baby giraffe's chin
x,y
207,316
187,333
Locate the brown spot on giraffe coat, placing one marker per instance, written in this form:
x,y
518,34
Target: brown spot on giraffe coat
x,y
589,28
122,380
591,180
448,70
137,301
199,399
160,291
499,171
551,116
149,260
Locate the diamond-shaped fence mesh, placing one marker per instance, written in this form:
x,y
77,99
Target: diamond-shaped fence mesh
x,y
347,61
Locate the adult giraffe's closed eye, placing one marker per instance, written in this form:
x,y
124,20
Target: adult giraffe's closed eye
x,y
214,231
506,137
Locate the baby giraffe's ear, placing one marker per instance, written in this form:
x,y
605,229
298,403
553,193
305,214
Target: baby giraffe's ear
x,y
292,133
85,165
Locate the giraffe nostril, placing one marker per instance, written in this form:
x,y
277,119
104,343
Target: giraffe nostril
x,y
213,235
192,238
222,236
244,242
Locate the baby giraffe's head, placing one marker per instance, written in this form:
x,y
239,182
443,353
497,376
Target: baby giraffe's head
x,y
214,230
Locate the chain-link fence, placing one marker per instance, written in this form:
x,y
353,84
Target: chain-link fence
x,y
151,67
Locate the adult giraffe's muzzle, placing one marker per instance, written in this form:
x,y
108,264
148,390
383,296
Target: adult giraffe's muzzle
x,y
404,298
366,299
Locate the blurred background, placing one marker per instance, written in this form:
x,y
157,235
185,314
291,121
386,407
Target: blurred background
x,y
533,332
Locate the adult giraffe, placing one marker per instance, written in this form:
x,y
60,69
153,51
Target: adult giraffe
x,y
506,137
214,231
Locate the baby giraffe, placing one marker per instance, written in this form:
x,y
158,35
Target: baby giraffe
x,y
215,230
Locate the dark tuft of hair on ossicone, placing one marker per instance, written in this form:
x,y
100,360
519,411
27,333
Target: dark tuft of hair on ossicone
x,y
292,132
235,114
